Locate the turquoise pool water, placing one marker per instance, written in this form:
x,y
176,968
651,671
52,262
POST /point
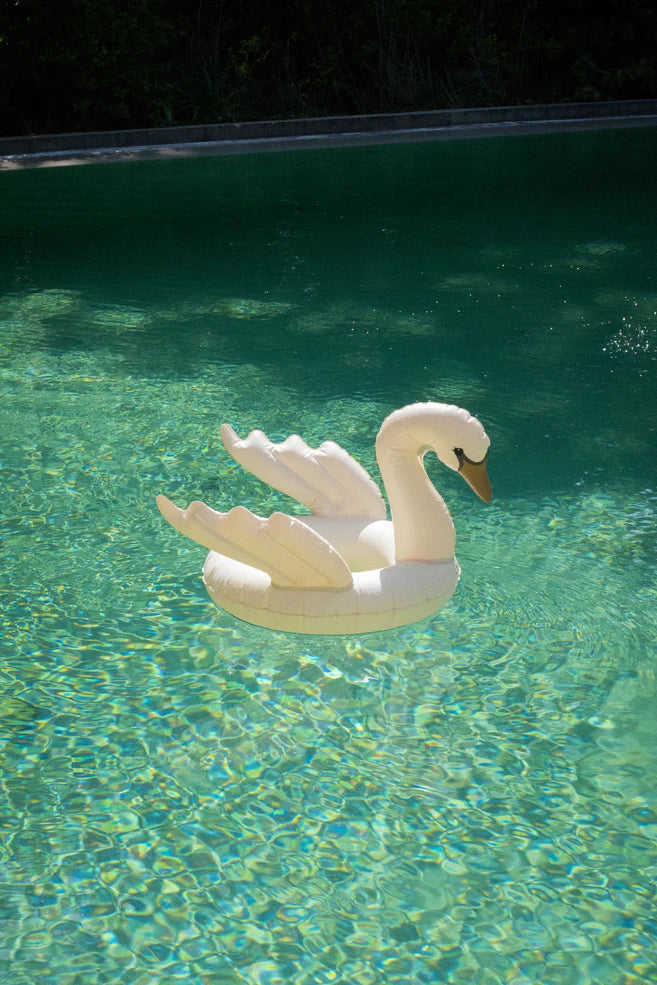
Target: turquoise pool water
x,y
185,798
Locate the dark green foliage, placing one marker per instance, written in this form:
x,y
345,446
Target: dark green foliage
x,y
84,64
102,64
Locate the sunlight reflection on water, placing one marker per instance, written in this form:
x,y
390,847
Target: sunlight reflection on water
x,y
188,798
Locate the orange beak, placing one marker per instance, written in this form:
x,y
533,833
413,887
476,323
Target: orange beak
x,y
476,477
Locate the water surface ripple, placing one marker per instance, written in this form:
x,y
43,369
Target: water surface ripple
x,y
187,798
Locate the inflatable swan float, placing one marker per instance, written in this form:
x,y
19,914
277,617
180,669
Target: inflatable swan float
x,y
345,568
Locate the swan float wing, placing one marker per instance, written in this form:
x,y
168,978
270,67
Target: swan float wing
x,y
326,479
293,555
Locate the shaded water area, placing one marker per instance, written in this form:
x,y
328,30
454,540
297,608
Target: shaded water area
x,y
186,798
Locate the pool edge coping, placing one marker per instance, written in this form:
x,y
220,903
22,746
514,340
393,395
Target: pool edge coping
x,y
171,143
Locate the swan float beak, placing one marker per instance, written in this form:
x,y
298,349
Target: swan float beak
x,y
476,476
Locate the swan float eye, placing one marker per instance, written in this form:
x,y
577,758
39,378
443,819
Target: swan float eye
x,y
462,457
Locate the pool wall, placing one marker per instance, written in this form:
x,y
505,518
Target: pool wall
x,y
52,150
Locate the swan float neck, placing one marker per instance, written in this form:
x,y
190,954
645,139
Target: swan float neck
x,y
422,524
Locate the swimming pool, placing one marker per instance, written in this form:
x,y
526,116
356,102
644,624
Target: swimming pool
x,y
188,798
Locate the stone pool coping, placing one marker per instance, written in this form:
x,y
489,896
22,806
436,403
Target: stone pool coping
x,y
170,143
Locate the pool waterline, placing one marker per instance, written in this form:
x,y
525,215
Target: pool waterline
x,y
174,143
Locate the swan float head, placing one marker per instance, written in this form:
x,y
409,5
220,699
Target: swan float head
x,y
344,568
457,438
